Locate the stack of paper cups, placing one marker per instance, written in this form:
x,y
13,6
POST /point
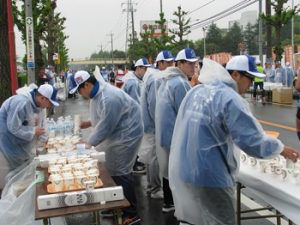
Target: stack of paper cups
x,y
76,124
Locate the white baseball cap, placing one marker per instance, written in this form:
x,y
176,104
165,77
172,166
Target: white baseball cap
x,y
80,77
164,56
244,63
142,62
187,54
49,92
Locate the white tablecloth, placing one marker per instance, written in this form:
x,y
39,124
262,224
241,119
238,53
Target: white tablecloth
x,y
282,195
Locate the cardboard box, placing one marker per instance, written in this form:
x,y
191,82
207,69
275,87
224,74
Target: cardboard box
x,y
282,95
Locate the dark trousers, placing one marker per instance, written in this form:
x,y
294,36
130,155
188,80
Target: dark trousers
x,y
168,197
261,87
127,182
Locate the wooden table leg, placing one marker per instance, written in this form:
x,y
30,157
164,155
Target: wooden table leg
x,y
278,218
118,216
45,221
97,217
238,203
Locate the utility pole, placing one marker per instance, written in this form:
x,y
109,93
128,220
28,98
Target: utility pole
x,y
260,48
29,42
161,7
112,47
292,38
132,21
269,32
130,13
204,44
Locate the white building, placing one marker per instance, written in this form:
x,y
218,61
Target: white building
x,y
246,17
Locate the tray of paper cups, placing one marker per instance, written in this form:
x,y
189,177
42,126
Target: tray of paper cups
x,y
277,167
73,174
60,144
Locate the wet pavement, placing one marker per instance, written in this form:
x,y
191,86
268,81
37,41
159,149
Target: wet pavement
x,y
150,209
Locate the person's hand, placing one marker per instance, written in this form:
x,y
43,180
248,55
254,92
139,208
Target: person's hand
x,y
39,131
290,153
85,124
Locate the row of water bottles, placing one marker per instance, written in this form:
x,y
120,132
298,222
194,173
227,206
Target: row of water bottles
x,y
64,126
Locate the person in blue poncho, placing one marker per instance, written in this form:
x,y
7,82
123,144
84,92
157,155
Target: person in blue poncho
x,y
22,123
172,88
213,123
117,125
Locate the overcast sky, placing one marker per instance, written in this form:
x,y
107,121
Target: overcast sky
x,y
90,21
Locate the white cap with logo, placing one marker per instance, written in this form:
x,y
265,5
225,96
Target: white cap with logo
x,y
80,77
49,92
244,63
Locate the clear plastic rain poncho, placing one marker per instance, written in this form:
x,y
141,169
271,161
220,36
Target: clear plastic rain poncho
x,y
204,161
132,86
172,89
19,115
118,126
148,101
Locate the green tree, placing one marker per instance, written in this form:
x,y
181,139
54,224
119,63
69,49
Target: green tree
x,y
251,39
183,27
5,80
232,39
164,42
281,17
214,39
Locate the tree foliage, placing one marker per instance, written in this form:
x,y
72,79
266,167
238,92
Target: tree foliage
x,y
183,27
282,16
48,31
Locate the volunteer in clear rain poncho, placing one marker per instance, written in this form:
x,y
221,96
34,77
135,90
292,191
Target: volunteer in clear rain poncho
x,y
204,161
23,122
147,152
117,125
173,87
133,80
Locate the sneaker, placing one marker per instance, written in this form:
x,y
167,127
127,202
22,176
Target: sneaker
x,y
106,213
157,195
168,208
139,168
131,220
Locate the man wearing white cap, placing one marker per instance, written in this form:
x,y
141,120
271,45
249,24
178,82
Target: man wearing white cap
x,y
213,123
117,125
173,87
134,80
164,60
20,128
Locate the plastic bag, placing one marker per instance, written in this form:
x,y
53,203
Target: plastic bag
x,y
17,204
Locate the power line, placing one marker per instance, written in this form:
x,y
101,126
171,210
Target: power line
x,y
220,16
200,7
222,12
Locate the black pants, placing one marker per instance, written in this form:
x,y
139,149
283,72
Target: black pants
x,y
168,197
127,182
261,87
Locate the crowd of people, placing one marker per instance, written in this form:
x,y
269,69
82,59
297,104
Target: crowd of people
x,y
276,73
188,128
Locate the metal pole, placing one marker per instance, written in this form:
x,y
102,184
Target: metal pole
x,y
260,47
161,7
12,48
29,42
204,44
132,21
292,38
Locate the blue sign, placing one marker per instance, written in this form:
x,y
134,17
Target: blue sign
x,y
30,65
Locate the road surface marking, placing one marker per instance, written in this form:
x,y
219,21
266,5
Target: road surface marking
x,y
278,125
